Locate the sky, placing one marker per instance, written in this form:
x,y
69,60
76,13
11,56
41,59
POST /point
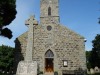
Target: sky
x,y
80,16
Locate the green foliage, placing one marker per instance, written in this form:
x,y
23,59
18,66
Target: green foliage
x,y
7,15
95,54
93,57
88,57
6,57
2,74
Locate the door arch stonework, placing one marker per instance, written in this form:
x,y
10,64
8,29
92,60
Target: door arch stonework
x,y
49,58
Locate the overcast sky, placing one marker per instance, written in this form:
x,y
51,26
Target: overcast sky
x,y
80,16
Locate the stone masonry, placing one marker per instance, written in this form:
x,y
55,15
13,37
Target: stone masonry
x,y
50,35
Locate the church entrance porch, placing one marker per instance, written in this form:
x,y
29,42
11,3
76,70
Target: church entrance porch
x,y
49,58
49,65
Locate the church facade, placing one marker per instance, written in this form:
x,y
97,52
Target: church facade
x,y
56,49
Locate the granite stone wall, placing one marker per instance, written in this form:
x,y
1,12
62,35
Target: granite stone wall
x,y
64,43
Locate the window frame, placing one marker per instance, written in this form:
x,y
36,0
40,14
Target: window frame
x,y
65,63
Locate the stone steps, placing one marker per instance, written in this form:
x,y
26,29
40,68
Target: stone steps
x,y
49,73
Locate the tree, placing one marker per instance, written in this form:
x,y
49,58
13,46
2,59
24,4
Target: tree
x,y
88,57
99,20
7,15
6,57
95,53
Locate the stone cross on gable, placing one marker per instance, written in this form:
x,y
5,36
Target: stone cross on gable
x,y
29,48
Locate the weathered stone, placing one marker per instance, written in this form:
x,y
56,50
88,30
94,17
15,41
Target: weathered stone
x,y
88,72
97,70
92,71
27,68
62,42
29,47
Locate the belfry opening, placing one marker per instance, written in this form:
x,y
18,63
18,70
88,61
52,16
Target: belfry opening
x,y
49,11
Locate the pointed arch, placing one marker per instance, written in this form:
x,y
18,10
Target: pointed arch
x,y
49,11
49,54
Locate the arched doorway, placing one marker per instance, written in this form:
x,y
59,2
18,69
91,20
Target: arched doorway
x,y
49,58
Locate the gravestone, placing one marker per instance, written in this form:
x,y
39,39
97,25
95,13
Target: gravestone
x,y
88,72
92,71
28,67
97,70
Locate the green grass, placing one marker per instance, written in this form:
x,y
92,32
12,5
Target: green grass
x,y
2,74
94,74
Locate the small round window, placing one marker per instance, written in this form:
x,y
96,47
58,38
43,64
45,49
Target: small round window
x,y
49,28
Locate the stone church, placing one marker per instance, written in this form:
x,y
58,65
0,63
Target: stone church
x,y
56,49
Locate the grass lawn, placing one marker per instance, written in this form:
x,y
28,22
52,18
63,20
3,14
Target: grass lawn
x,y
2,74
94,74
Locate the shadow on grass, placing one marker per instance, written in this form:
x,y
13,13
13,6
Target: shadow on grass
x,y
94,74
2,74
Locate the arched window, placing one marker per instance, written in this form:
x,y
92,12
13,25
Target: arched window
x,y
49,11
49,54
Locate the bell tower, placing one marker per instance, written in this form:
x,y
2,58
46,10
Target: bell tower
x,y
49,11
